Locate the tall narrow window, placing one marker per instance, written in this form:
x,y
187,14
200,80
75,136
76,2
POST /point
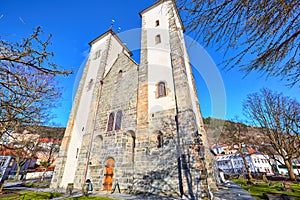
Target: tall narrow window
x,y
120,75
133,146
110,123
157,23
160,140
161,89
2,162
90,84
97,54
118,120
157,39
77,151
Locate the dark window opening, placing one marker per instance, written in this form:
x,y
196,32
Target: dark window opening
x,y
160,141
120,75
161,89
110,122
90,84
97,54
118,120
133,146
77,151
157,39
157,23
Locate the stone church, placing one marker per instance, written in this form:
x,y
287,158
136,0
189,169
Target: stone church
x,y
138,125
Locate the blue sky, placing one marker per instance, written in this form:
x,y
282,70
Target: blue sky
x,y
75,23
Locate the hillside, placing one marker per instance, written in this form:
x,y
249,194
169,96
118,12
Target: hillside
x,y
44,131
225,131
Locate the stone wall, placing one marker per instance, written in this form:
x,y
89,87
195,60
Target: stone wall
x,y
60,162
119,94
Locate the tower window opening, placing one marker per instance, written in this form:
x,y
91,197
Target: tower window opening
x,y
118,120
160,141
97,54
110,122
120,75
133,147
90,84
157,23
77,151
161,89
157,39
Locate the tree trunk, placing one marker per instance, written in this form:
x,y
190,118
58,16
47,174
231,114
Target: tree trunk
x,y
17,173
1,186
290,169
43,175
245,162
247,167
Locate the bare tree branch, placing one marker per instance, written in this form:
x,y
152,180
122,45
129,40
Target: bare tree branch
x,y
278,116
264,34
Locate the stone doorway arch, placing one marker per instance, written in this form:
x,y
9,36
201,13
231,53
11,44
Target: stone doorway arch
x,y
109,174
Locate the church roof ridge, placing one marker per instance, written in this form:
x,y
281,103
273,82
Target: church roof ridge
x,y
110,31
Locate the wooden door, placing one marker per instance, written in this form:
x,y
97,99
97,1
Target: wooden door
x,y
109,174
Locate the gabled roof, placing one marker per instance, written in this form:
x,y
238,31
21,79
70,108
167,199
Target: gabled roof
x,y
16,152
48,140
110,31
160,2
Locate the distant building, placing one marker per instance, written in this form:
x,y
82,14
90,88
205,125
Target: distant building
x,y
8,165
282,169
234,164
49,149
220,148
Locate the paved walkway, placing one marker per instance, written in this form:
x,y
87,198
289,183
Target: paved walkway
x,y
232,191
227,191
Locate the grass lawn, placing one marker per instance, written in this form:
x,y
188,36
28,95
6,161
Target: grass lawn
x,y
29,195
258,189
23,194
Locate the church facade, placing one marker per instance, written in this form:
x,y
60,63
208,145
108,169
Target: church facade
x,y
138,125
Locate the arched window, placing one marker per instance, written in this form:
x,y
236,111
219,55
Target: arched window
x,y
157,23
110,123
120,75
160,140
161,89
118,120
157,39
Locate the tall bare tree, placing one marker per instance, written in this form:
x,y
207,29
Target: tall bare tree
x,y
28,88
279,118
264,34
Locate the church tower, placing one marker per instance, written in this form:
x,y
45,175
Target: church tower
x,y
170,139
138,125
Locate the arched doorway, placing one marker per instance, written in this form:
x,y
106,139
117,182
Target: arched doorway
x,y
108,174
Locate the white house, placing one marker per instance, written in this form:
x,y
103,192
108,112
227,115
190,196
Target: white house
x,y
8,166
233,163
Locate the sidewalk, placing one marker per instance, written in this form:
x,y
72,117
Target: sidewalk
x,y
227,191
231,191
